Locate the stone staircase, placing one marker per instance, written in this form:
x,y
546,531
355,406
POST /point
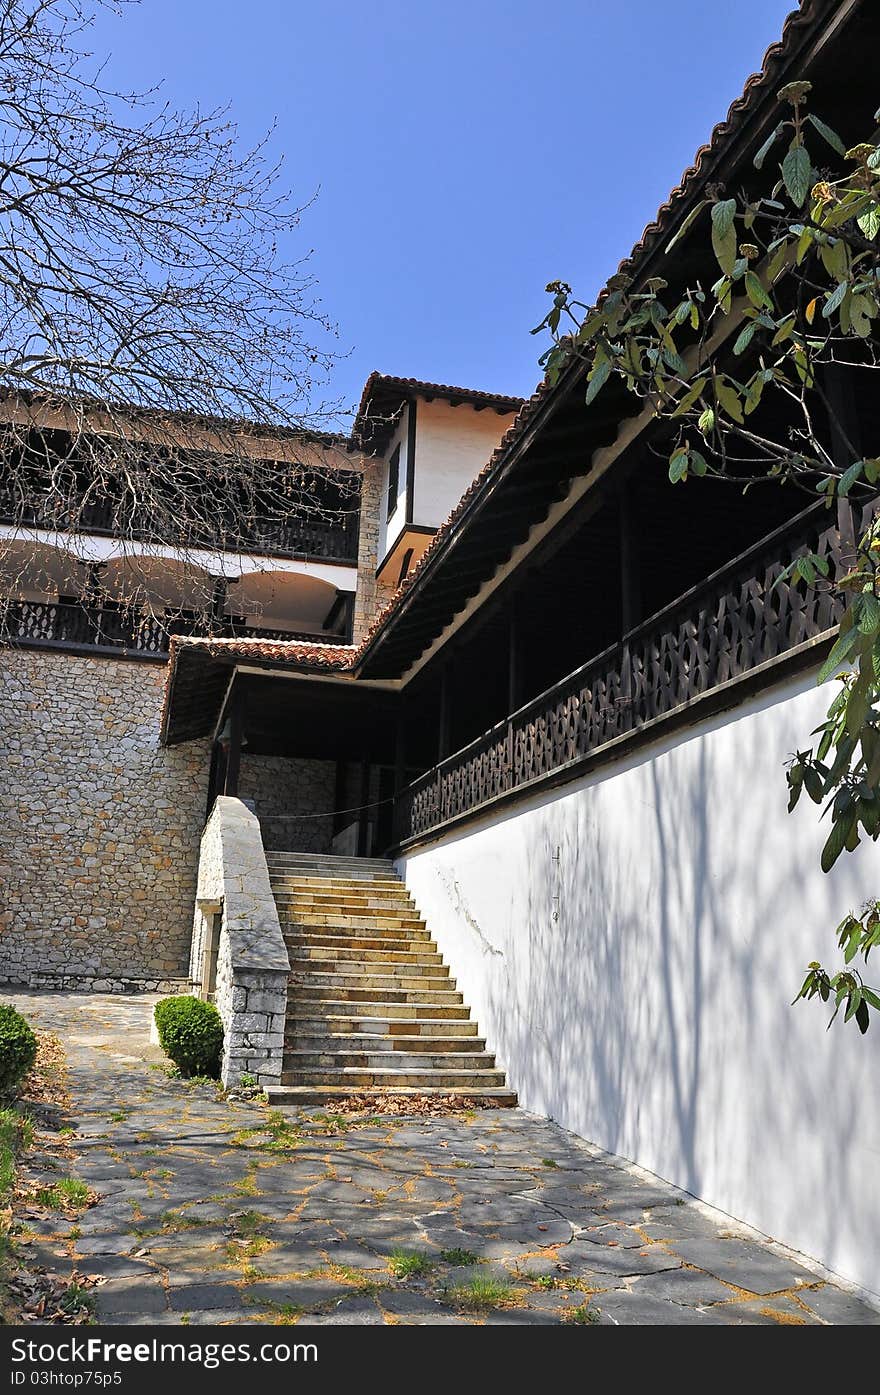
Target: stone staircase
x,y
371,1007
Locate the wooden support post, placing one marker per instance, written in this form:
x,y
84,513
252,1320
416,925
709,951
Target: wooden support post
x,y
444,726
630,578
400,750
339,797
364,813
233,752
218,603
514,659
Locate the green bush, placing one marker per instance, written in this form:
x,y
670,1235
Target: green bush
x,y
18,1049
191,1033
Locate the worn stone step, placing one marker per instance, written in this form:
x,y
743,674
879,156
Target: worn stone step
x,y
377,986
369,968
300,1058
338,920
357,939
305,1095
386,1043
420,958
393,897
357,1077
336,990
381,885
328,859
427,1029
398,1013
331,875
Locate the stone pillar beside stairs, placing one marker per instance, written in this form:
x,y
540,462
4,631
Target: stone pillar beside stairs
x,y
238,953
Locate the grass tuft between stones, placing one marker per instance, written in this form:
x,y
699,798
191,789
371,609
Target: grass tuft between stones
x,y
410,1264
481,1294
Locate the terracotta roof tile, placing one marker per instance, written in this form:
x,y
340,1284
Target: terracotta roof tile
x,y
388,382
313,655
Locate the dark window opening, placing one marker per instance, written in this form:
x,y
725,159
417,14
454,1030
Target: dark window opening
x,y
393,482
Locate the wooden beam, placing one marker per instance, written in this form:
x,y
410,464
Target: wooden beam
x,y
444,726
630,577
233,748
363,811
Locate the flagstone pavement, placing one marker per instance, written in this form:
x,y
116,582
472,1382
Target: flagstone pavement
x,y
223,1211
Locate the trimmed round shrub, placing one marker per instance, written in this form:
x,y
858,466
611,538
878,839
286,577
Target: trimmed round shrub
x,y
18,1049
191,1033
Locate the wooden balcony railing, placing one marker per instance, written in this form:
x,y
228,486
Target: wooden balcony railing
x,y
734,623
113,629
332,539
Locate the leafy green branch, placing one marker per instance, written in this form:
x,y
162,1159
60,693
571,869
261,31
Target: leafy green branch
x,y
742,373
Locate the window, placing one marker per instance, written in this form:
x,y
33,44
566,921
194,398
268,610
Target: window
x,y
393,482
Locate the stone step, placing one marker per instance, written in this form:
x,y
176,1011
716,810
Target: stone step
x,y
398,1015
327,858
337,990
376,968
338,920
386,1043
376,985
381,885
299,1060
421,958
347,905
356,1077
378,1028
293,1095
344,939
333,876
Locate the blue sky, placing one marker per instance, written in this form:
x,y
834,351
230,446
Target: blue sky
x,y
464,154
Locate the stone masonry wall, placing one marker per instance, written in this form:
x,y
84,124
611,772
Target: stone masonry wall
x,y
367,597
250,989
99,825
280,788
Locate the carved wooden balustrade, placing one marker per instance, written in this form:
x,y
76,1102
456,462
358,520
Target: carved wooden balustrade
x,y
138,633
735,623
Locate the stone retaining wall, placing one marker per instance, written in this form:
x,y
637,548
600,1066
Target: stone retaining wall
x,y
99,826
250,989
280,788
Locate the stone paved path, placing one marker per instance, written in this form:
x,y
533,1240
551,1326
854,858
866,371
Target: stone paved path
x,y
226,1212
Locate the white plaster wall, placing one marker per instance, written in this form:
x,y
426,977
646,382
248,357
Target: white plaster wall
x,y
390,530
452,446
631,945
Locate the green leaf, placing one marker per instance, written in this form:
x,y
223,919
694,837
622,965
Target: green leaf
x,y
834,300
745,337
690,396
863,1017
869,222
698,463
723,213
724,234
598,378
796,175
728,399
843,645
835,259
692,216
860,313
849,477
706,421
678,464
756,293
765,149
827,134
835,844
785,330
869,615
